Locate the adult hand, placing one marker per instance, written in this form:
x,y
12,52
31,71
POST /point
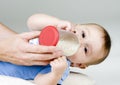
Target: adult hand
x,y
17,50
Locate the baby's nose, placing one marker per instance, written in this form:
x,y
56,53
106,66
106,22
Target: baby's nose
x,y
82,42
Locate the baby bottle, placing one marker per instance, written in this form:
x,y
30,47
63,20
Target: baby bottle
x,y
66,41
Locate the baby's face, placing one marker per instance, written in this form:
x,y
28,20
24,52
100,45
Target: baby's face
x,y
91,45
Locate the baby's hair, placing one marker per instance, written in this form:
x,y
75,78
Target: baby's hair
x,y
107,41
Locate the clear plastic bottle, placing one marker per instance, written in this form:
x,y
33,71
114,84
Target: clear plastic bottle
x,y
64,40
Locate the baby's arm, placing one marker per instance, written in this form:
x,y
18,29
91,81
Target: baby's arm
x,y
58,67
39,21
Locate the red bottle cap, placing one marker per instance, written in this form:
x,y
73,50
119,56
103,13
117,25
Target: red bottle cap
x,y
49,36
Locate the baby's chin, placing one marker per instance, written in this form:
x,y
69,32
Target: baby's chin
x,y
70,58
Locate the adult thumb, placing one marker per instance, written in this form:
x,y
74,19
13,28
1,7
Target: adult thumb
x,y
30,35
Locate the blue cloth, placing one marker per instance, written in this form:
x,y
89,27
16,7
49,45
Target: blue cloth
x,y
28,72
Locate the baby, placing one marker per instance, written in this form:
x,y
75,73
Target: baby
x,y
95,42
95,46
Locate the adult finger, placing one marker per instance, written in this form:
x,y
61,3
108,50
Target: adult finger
x,y
41,62
31,56
30,48
38,62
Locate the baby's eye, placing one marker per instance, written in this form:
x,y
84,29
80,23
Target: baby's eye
x,y
83,34
85,50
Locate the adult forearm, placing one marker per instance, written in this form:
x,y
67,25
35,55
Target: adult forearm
x,y
5,31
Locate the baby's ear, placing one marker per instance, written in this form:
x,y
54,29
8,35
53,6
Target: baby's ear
x,y
79,65
82,66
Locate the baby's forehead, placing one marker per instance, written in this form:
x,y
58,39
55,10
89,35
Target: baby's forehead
x,y
90,28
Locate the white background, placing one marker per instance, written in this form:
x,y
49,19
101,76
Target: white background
x,y
14,14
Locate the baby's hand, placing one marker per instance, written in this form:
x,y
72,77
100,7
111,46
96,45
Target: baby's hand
x,y
59,65
65,25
